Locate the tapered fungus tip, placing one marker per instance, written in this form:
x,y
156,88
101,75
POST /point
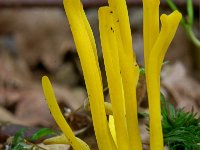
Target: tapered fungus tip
x,y
163,17
44,79
151,2
177,14
173,17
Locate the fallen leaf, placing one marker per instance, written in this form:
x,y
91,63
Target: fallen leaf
x,y
184,88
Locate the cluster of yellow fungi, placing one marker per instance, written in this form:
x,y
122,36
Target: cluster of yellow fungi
x,y
122,71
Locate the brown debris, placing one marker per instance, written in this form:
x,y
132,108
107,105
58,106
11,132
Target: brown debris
x,y
184,89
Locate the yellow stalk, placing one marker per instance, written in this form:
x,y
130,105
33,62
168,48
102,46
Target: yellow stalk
x,y
130,76
89,31
61,139
90,35
150,26
112,128
169,27
129,69
171,22
91,73
60,120
108,108
120,10
111,61
150,35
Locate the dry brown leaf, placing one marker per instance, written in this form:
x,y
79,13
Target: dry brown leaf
x,y
39,35
7,116
33,109
184,88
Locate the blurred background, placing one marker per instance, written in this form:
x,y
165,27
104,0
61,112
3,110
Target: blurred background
x,y
35,40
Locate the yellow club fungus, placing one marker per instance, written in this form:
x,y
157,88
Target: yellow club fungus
x,y
87,55
129,69
155,60
111,61
59,118
155,46
121,132
150,26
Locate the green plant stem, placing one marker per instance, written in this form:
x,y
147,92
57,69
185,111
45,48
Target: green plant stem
x,y
192,36
187,24
190,12
171,5
190,21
